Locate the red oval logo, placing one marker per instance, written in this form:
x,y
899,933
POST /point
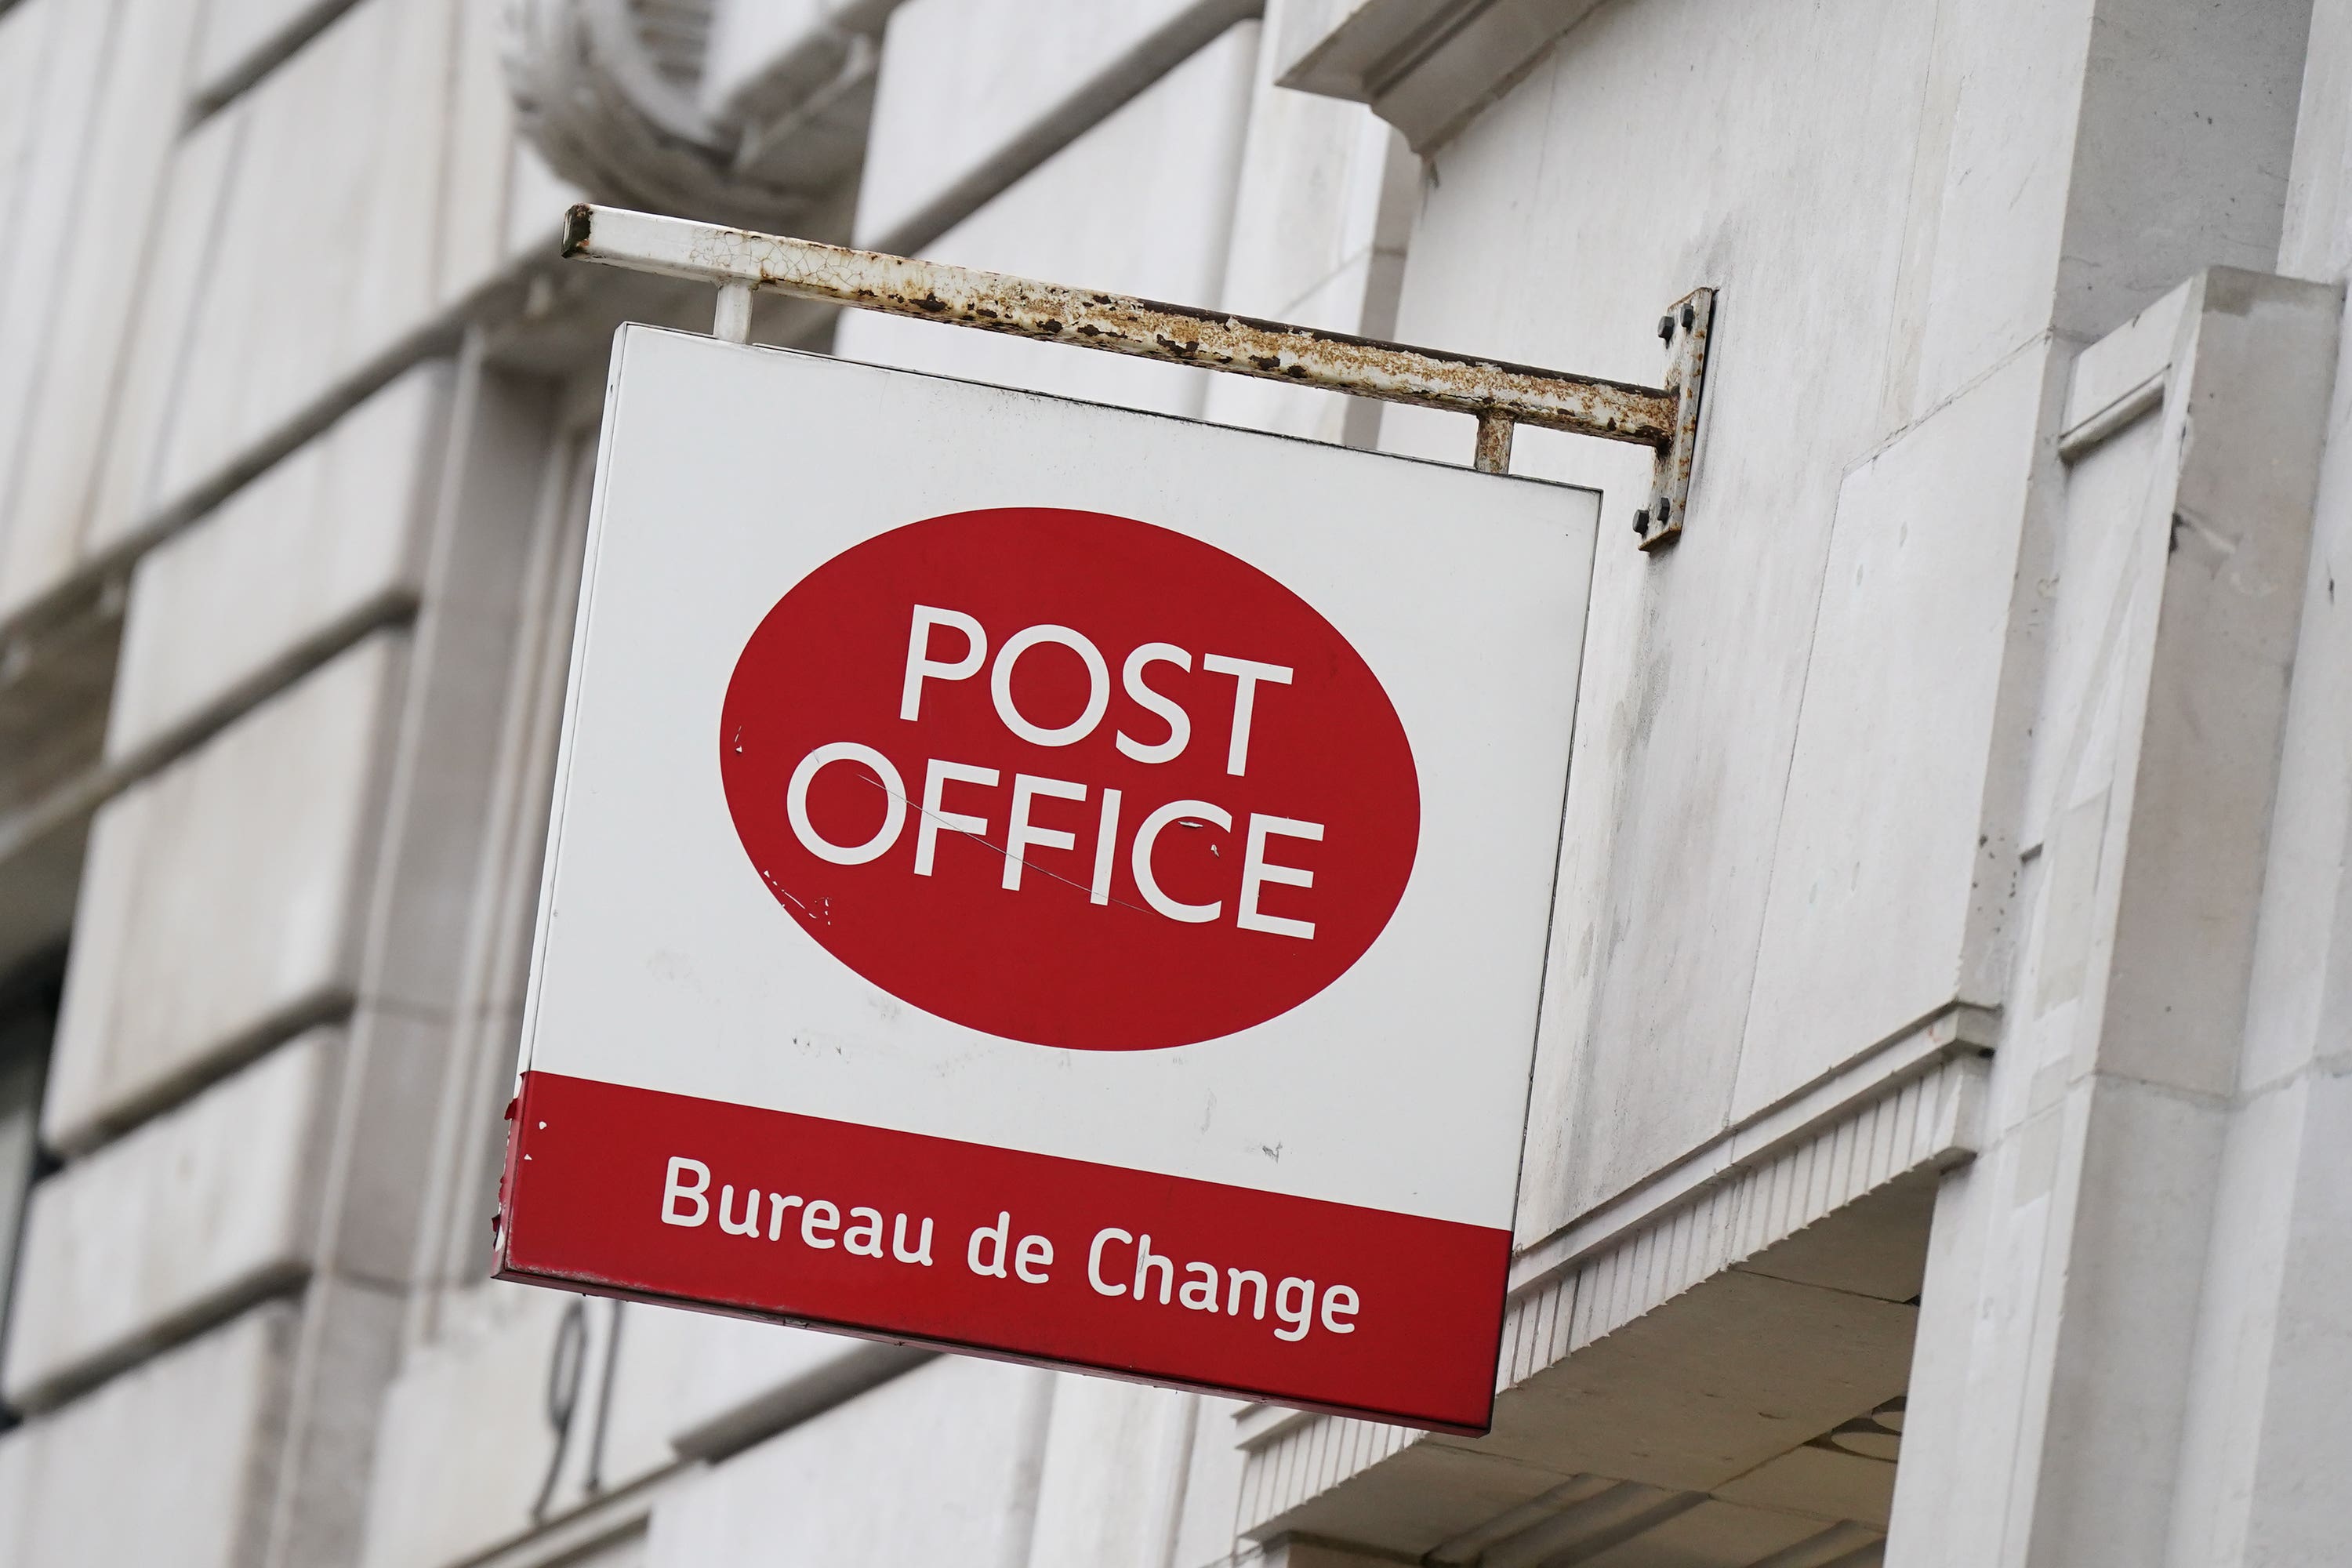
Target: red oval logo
x,y
1069,778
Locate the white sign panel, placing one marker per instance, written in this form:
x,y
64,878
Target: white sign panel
x,y
1048,879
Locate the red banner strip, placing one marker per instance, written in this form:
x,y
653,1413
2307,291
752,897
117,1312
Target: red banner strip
x,y
830,1223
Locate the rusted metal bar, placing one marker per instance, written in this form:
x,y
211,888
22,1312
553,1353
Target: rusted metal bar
x,y
1493,453
1497,394
1685,330
731,320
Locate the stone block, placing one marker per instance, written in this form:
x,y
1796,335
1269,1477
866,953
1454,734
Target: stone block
x,y
975,93
223,898
328,239
712,1387
56,57
191,1216
1820,1481
1320,219
939,1465
1213,1480
464,1447
1695,662
1874,869
238,34
1139,205
1112,1487
654,1385
762,49
118,172
329,538
170,1463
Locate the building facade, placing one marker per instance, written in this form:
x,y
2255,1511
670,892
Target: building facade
x,y
1939,1149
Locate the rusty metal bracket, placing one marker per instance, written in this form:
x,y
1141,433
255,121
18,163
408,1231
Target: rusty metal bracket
x,y
1685,330
1498,395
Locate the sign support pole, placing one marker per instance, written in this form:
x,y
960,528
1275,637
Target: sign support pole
x,y
1497,394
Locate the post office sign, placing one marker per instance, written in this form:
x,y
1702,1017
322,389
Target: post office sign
x,y
1048,880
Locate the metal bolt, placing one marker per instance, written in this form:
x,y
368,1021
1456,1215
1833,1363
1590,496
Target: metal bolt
x,y
1666,508
1688,315
1665,329
1642,523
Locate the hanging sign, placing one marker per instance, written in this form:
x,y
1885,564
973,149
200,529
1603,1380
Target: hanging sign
x,y
1049,880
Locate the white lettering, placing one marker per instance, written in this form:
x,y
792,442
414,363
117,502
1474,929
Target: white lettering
x,y
1200,1294
870,1228
935,783
1094,1262
814,1225
1299,1317
920,663
922,1253
1179,723
1149,835
894,812
777,1205
994,1236
673,1190
1256,871
751,1222
1019,834
1246,674
1339,1301
1145,1261
1233,1306
1033,1259
1106,847
1000,685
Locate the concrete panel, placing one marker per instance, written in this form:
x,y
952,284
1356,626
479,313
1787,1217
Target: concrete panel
x,y
2207,772
327,540
1320,219
653,1386
1141,204
1786,199
478,176
1711,1534
58,52
327,234
2295,1508
191,1214
465,1450
222,898
204,164
1876,859
939,1465
240,33
780,47
1983,234
138,115
24,45
1703,1389
2070,1364
1820,1481
498,201
1115,1467
1709,1385
171,1463
2136,1178
708,1386
1213,1481
975,93
2157,194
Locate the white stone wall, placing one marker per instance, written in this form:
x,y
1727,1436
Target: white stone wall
x,y
1865,767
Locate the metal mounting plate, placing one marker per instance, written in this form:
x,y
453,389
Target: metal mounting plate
x,y
1685,329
